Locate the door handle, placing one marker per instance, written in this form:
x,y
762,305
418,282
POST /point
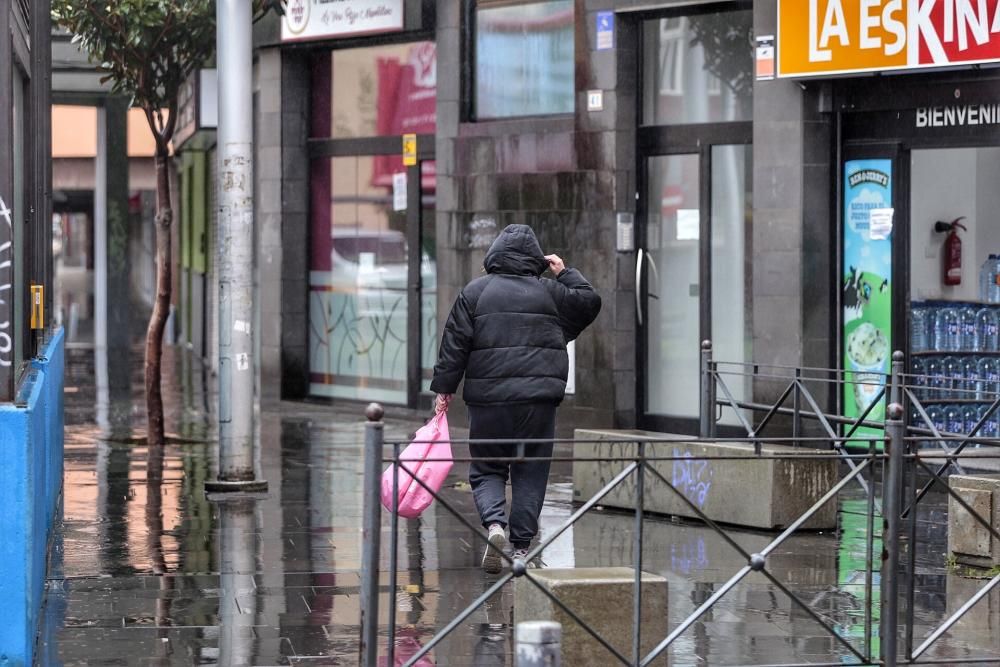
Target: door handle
x,y
638,286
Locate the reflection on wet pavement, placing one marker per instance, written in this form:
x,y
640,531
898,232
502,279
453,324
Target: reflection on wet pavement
x,y
145,570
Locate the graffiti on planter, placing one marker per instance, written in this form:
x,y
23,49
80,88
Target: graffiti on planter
x,y
689,556
692,478
6,278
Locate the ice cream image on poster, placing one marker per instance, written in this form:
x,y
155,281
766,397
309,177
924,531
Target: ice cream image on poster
x,y
866,285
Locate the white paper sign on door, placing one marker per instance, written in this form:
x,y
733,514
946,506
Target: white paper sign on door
x,y
399,191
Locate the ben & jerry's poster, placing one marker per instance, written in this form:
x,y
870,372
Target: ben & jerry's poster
x,y
867,287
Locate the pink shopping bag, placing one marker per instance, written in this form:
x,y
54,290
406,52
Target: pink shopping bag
x,y
432,441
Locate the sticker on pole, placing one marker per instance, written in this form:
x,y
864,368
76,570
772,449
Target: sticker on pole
x,y
243,361
409,150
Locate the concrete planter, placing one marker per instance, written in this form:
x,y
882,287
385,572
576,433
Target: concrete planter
x,y
765,494
602,597
968,540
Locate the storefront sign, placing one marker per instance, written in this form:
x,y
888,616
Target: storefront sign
x,y
958,116
817,37
320,19
867,286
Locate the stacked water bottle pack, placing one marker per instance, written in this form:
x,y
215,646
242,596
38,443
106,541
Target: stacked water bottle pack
x,y
956,364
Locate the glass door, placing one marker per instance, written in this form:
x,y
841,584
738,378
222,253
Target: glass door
x,y
671,316
371,270
694,273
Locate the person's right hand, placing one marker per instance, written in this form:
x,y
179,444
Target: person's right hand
x,y
441,403
556,265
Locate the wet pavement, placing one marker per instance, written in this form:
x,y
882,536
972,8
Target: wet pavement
x,y
145,570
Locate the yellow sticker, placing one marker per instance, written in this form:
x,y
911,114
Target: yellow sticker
x,y
37,306
409,150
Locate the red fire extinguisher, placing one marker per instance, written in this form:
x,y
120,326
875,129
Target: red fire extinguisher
x,y
952,265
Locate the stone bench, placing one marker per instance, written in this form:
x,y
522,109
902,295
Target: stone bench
x,y
764,494
968,540
602,597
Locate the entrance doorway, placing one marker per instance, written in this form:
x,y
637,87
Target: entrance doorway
x,y
906,186
372,267
695,166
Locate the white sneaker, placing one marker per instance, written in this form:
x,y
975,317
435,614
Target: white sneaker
x,y
493,556
522,555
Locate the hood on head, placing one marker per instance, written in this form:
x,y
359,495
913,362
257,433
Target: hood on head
x,y
516,251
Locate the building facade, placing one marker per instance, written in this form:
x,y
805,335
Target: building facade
x,y
781,207
25,184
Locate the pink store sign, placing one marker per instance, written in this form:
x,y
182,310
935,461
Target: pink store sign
x,y
323,19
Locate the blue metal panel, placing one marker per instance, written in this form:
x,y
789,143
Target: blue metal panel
x,y
31,449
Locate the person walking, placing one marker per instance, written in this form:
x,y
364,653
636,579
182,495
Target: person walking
x,y
507,334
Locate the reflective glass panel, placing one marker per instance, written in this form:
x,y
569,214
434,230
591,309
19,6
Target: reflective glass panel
x,y
357,283
375,91
672,319
428,274
524,60
731,333
698,69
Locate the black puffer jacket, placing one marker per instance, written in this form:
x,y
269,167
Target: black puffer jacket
x,y
508,330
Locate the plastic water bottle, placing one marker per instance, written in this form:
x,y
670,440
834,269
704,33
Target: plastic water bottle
x,y
987,330
918,381
993,293
967,318
954,380
947,330
985,370
991,429
936,380
936,415
970,378
971,418
954,420
919,330
986,278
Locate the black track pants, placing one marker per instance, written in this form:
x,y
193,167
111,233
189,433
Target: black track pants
x,y
528,480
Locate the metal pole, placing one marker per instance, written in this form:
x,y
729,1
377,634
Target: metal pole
x,y
235,255
640,508
538,644
371,534
707,404
797,407
895,442
238,602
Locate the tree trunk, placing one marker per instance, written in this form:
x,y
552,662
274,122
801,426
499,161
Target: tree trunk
x,y
161,307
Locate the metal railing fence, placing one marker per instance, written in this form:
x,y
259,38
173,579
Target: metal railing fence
x,y
890,461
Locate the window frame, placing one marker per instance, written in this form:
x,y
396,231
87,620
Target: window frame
x,y
685,12
470,64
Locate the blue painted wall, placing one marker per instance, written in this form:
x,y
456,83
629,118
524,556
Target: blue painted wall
x,y
31,471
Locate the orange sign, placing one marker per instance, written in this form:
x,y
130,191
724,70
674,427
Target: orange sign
x,y
818,37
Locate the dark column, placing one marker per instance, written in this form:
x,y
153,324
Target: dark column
x,y
112,278
292,290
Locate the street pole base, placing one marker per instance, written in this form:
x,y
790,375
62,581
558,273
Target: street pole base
x,y
244,486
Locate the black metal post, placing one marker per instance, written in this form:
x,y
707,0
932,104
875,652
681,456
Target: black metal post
x,y
371,534
640,509
707,404
895,443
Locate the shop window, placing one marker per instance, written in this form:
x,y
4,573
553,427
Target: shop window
x,y
375,91
698,69
524,59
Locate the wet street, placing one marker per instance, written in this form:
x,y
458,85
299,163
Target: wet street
x,y
145,570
